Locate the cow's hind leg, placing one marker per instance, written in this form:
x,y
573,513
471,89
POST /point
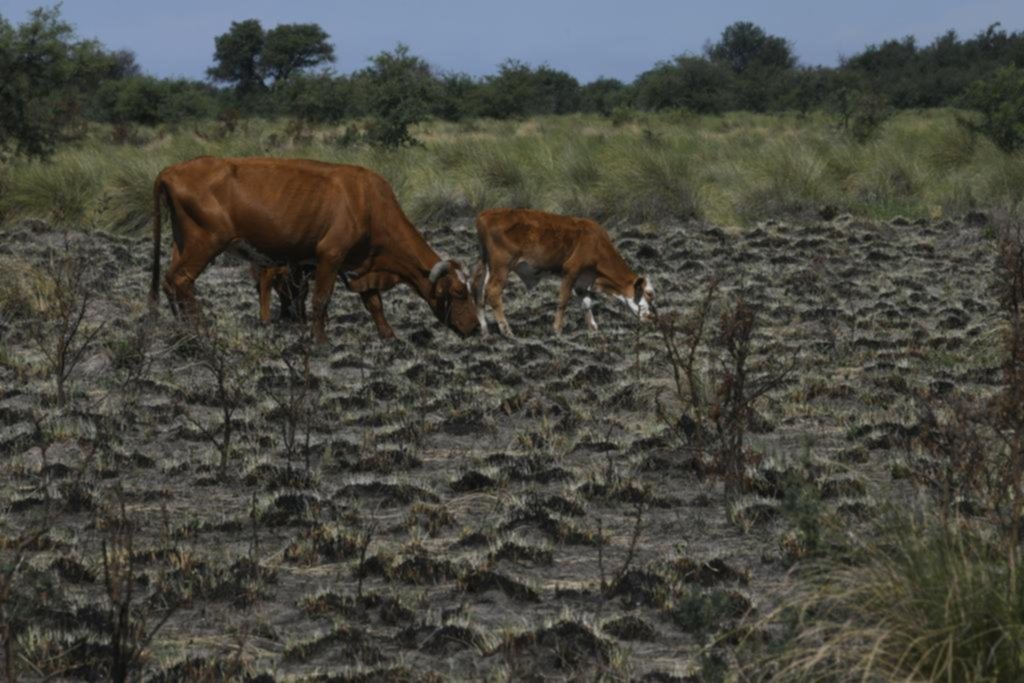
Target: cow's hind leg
x,y
186,266
372,301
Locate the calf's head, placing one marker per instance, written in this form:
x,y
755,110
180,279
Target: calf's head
x,y
451,298
641,299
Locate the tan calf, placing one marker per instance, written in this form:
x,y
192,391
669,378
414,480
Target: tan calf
x,y
532,244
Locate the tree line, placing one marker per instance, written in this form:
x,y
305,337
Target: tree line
x,y
56,82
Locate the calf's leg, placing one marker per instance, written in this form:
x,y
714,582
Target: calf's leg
x,y
493,289
564,294
481,273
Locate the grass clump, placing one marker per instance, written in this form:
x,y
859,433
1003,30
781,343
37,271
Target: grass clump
x,y
25,290
788,177
925,603
645,183
63,191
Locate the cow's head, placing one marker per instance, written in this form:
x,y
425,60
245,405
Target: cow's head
x,y
641,299
451,299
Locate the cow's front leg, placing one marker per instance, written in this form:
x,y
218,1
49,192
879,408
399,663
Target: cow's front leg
x,y
372,301
264,280
323,287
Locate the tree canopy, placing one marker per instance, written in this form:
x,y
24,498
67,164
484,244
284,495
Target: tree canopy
x,y
54,82
246,55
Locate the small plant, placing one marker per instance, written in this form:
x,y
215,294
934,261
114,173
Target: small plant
x,y
19,584
131,363
634,540
129,632
741,382
683,338
229,366
365,539
297,402
61,333
718,404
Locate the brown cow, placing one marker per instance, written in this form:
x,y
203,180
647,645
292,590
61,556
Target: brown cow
x,y
291,285
534,243
335,218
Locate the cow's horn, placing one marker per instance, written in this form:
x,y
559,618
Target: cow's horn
x,y
439,269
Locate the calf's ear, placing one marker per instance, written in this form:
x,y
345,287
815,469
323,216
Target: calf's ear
x,y
638,289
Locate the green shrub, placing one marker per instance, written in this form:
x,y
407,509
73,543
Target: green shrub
x,y
319,98
400,88
1000,101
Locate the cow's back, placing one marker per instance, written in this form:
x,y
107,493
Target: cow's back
x,y
283,207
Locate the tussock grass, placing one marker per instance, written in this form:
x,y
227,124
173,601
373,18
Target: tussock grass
x,y
25,290
649,182
788,176
736,168
129,201
926,603
63,192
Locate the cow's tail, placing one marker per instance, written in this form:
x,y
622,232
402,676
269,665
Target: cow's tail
x,y
154,285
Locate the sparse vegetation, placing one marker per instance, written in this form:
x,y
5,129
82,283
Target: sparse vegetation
x,y
211,500
526,480
61,332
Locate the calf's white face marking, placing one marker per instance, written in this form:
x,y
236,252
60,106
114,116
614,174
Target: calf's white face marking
x,y
630,303
641,308
646,300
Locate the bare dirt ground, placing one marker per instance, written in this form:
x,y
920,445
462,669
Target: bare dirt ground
x,y
469,509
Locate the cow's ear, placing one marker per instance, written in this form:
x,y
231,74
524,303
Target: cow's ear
x,y
441,287
638,289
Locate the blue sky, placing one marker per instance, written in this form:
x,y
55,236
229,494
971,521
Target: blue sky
x,y
587,38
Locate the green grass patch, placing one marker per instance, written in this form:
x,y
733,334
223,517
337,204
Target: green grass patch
x,y
738,168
